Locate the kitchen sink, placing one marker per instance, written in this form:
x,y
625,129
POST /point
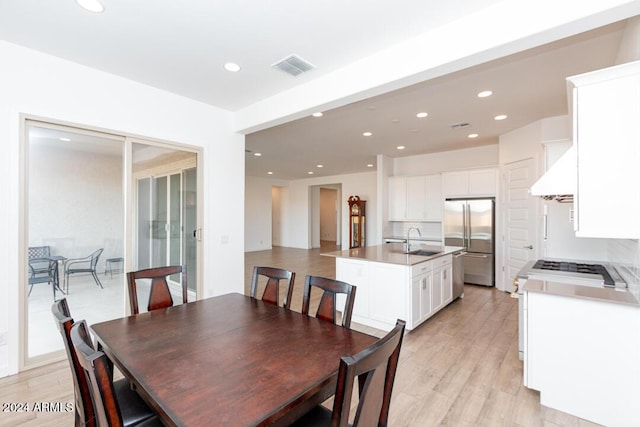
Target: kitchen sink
x,y
422,252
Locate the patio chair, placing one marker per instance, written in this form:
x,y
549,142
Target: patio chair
x,y
44,270
83,265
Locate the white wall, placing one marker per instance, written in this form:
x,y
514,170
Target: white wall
x,y
384,171
60,178
41,85
426,164
296,202
263,199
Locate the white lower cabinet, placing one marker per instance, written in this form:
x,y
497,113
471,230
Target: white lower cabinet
x,y
442,283
421,287
582,355
387,292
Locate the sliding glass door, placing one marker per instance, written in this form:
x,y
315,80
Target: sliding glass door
x,y
167,212
74,204
98,196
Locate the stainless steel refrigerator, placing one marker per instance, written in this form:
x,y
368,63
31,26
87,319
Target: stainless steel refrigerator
x,y
470,223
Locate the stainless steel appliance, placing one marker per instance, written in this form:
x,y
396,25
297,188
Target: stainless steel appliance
x,y
458,275
470,223
563,271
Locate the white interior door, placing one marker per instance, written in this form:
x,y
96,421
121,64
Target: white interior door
x,y
520,219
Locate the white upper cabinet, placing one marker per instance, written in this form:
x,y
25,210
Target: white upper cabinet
x,y
606,127
470,183
397,198
415,198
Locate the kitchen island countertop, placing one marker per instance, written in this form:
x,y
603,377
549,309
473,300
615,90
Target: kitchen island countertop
x,y
391,253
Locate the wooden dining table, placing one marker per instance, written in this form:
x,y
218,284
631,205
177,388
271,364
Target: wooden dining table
x,y
229,360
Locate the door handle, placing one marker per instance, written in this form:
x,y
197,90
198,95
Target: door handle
x,y
528,247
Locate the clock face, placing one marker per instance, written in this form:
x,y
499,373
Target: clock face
x,y
355,209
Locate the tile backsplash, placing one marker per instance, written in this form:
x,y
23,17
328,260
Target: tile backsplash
x,y
429,230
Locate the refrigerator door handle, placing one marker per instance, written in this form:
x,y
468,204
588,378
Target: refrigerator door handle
x,y
475,256
464,225
468,233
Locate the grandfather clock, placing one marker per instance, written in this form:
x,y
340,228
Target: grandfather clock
x,y
356,222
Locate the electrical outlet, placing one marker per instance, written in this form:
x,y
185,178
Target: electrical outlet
x,y
3,338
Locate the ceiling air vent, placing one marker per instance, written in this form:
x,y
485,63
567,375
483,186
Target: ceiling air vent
x,y
293,65
460,125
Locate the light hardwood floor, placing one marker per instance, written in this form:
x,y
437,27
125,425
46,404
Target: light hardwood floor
x,y
460,368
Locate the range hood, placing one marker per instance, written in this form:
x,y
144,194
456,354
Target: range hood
x,y
559,182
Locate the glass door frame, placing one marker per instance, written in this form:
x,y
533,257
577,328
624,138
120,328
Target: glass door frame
x,y
27,120
131,181
24,361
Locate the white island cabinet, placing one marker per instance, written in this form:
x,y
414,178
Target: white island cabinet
x,y
392,286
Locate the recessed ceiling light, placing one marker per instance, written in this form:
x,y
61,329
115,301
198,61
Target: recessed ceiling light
x,y
500,117
484,94
395,120
269,173
400,147
367,134
369,165
65,139
473,135
318,114
232,67
91,5
257,154
310,172
422,115
319,166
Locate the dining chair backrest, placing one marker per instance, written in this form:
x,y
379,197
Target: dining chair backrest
x,y
99,377
327,307
271,292
159,292
84,408
375,368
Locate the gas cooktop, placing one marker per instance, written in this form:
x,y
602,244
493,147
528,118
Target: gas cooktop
x,y
600,272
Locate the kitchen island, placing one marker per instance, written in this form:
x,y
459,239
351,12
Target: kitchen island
x,y
394,285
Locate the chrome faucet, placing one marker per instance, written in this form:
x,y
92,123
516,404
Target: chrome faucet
x,y
407,244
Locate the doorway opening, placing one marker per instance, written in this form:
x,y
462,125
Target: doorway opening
x,y
325,213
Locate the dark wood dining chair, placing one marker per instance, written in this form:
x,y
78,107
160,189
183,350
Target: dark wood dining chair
x,y
327,308
107,405
159,292
375,368
272,288
132,407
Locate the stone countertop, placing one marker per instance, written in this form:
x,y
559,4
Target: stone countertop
x,y
603,294
391,253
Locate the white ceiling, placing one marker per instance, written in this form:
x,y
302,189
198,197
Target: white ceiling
x,y
181,47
